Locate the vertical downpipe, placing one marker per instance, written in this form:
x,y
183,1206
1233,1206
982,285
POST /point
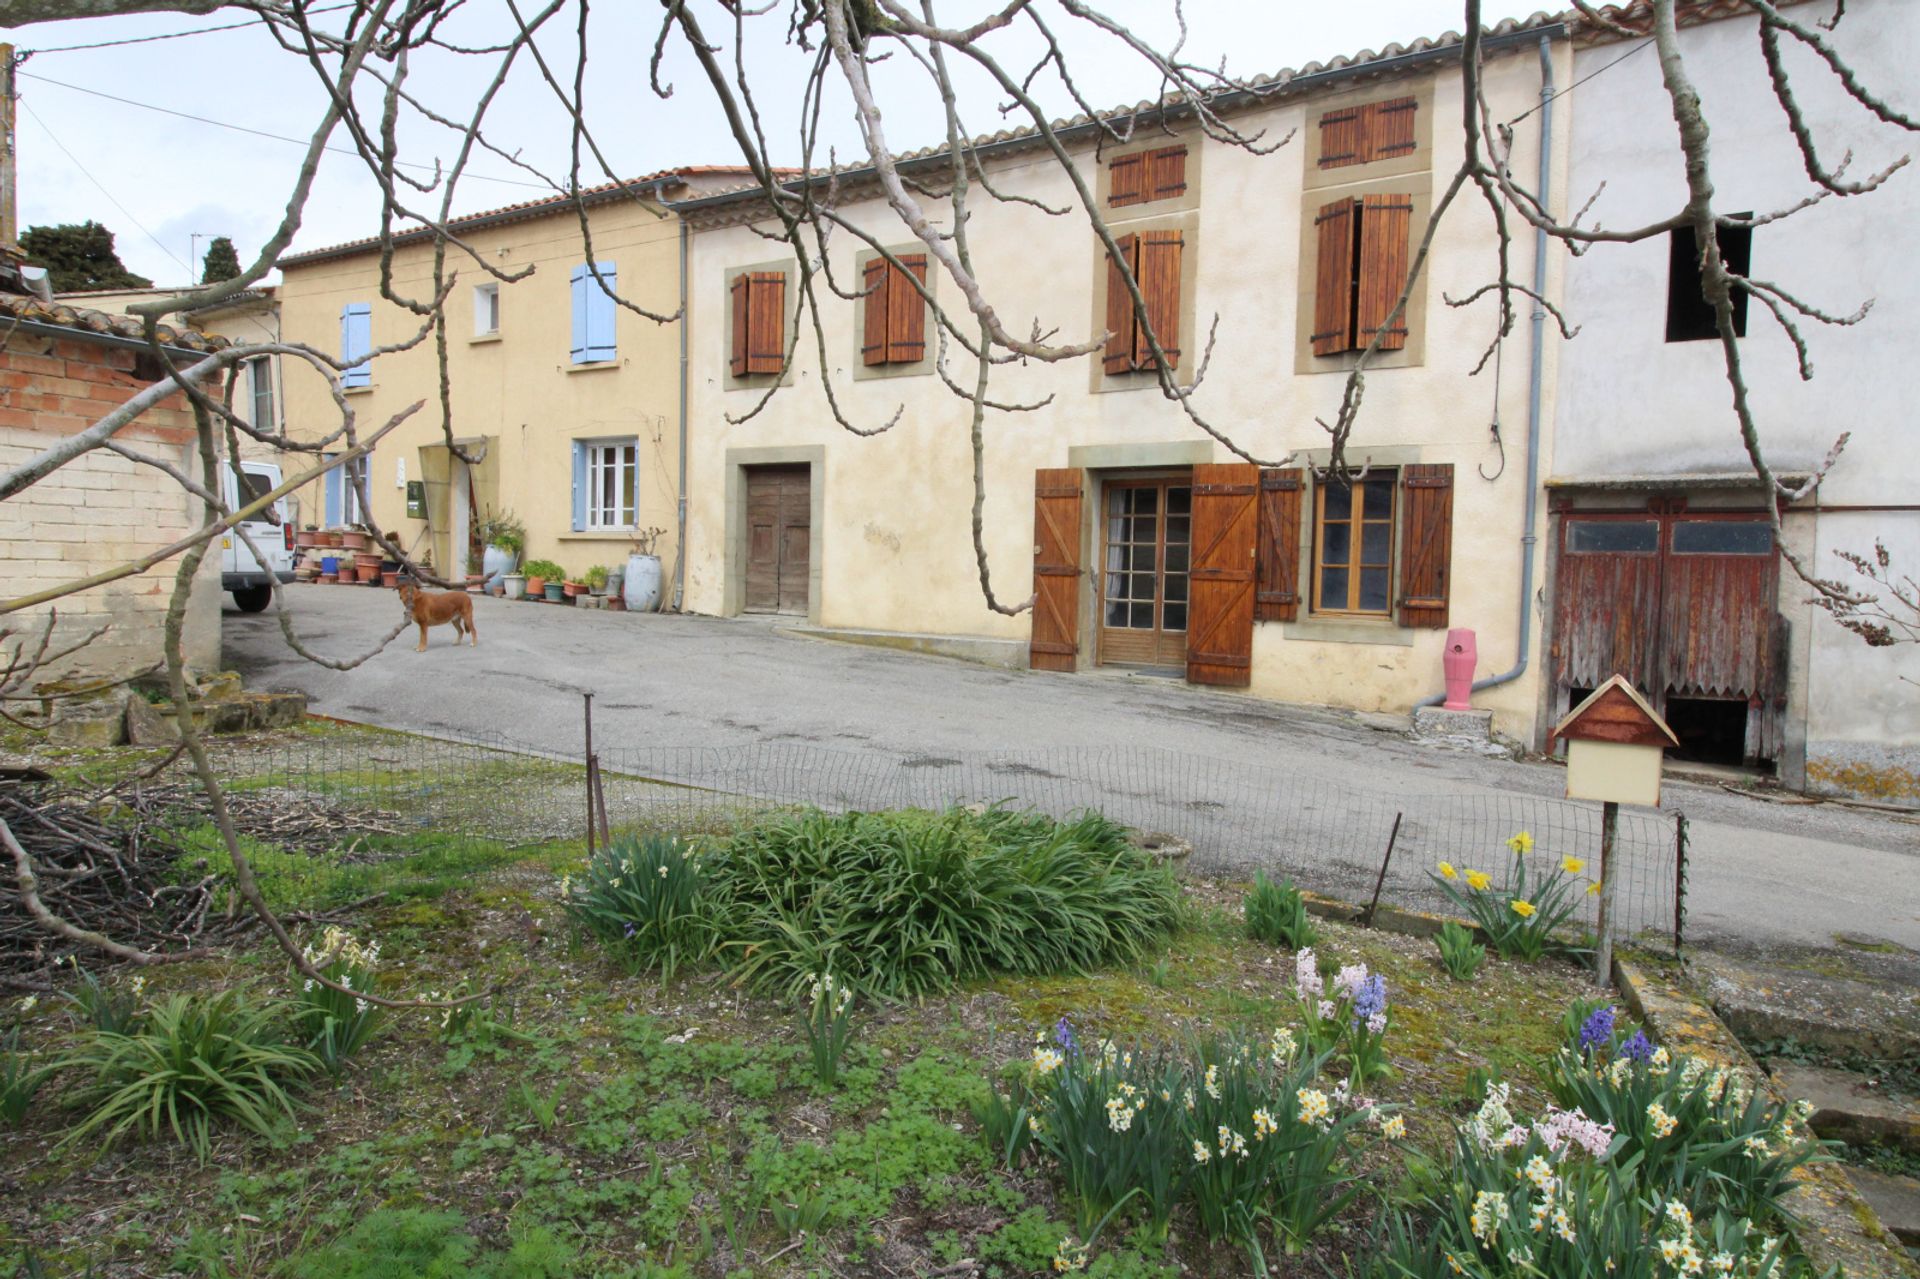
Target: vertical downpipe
x,y
680,531
1535,377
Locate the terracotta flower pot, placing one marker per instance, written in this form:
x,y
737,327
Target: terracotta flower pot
x,y
330,538
476,583
306,538
536,588
390,580
572,589
368,572
328,579
354,541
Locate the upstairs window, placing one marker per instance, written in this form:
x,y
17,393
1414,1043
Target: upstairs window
x,y
356,340
1154,259
895,331
1146,176
759,327
594,313
1361,269
1689,314
260,381
486,309
1361,135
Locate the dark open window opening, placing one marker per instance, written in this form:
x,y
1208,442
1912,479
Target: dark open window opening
x,y
1712,730
1689,314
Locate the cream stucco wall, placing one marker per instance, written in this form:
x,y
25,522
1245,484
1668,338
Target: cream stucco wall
x,y
1634,404
517,388
892,541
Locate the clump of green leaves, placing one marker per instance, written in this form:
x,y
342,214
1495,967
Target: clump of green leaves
x,y
20,1079
643,897
195,1062
911,902
1277,914
827,1020
109,1008
1460,954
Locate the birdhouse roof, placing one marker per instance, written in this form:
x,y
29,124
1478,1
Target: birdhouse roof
x,y
1615,712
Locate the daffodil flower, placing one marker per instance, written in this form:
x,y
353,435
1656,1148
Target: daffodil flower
x,y
1572,865
1521,844
1478,880
1523,908
1447,871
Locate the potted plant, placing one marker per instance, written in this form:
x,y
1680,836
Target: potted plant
x,y
514,584
641,582
306,537
596,579
353,538
504,537
331,537
539,574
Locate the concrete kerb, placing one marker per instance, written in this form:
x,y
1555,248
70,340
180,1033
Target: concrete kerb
x,y
1836,1225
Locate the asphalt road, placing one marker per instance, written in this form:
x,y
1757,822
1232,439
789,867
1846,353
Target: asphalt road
x,y
1226,771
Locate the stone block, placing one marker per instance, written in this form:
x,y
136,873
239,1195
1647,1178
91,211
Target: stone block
x,y
590,601
1850,1108
279,710
90,724
147,726
1895,1200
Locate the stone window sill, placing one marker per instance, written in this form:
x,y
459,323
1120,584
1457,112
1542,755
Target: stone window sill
x,y
1329,630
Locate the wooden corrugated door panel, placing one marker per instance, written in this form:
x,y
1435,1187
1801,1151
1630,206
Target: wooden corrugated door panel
x,y
1333,279
737,351
1220,614
1160,253
906,311
874,282
1386,222
1056,569
1118,356
1426,547
767,322
1604,609
1277,554
1717,613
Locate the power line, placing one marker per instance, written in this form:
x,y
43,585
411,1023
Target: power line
x,y
1582,80
261,133
158,243
169,35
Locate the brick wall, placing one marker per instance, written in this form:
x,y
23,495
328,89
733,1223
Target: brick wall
x,y
99,510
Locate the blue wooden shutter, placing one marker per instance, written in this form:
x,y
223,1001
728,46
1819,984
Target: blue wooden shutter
x,y
602,312
333,501
579,486
356,339
581,282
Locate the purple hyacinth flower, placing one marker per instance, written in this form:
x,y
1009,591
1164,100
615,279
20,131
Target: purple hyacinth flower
x,y
1597,1031
630,931
1063,1036
1370,1001
1638,1049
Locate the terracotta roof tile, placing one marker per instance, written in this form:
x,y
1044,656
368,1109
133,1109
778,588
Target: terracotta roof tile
x,y
86,320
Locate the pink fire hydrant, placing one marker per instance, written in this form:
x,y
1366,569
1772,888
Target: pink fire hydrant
x,y
1459,662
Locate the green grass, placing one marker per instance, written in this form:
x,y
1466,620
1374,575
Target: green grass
x,y
410,866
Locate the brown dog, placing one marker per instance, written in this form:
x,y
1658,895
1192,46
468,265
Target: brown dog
x,y
431,609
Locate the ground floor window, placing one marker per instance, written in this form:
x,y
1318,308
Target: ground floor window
x,y
1353,545
344,484
613,481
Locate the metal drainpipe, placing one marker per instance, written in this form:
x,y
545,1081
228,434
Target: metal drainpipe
x,y
1538,331
680,535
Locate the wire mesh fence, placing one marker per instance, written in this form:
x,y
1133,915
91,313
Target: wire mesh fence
x,y
357,797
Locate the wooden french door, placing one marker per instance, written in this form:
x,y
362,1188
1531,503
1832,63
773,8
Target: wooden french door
x,y
1146,539
779,538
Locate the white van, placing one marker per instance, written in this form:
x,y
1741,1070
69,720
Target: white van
x,y
271,530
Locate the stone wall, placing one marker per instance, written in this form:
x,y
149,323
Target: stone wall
x,y
100,510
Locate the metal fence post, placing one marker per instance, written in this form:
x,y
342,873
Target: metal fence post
x,y
1679,881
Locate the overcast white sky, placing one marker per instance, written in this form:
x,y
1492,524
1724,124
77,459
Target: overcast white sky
x,y
173,177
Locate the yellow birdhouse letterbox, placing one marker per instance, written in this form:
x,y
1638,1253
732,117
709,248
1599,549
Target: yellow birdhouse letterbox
x,y
1615,743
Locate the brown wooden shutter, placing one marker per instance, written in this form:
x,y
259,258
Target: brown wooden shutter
x,y
1167,175
1333,279
1121,329
876,284
737,352
1056,570
1276,596
1340,138
906,311
1386,222
1160,253
1391,133
767,322
1127,180
1426,543
1220,585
